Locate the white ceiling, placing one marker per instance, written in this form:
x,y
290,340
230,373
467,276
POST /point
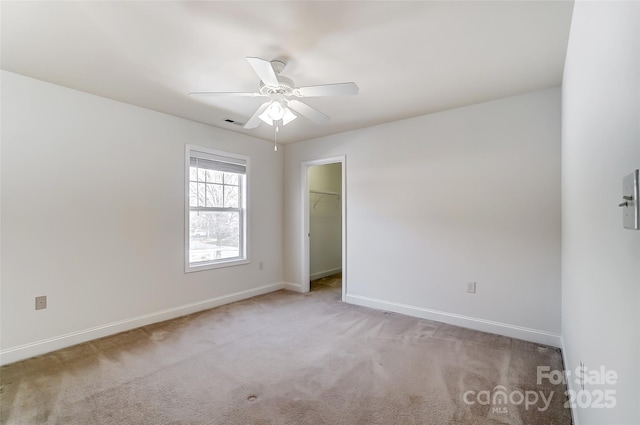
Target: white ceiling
x,y
408,58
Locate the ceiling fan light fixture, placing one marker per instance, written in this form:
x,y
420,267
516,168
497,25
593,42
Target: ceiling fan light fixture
x,y
263,116
275,111
288,116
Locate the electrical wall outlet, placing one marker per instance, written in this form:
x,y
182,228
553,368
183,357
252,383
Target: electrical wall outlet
x,y
41,302
260,266
471,287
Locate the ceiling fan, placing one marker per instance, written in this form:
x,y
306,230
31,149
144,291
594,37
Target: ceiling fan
x,y
283,105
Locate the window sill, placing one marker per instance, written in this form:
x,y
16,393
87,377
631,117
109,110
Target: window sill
x,y
189,268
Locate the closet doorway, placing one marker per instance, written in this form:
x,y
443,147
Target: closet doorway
x,y
324,221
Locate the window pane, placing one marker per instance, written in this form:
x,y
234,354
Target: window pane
x,y
210,196
193,173
193,194
213,235
230,178
217,195
201,175
201,194
214,176
231,196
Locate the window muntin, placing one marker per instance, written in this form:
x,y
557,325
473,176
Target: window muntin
x,y
216,204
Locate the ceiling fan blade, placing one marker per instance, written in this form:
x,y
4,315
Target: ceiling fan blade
x,y
255,118
338,89
222,93
308,111
265,71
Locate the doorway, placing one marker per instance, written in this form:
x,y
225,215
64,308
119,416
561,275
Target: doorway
x,y
324,207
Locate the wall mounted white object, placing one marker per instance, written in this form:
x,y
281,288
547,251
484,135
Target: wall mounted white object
x,y
630,205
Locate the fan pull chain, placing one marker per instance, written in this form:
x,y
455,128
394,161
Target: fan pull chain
x,y
275,139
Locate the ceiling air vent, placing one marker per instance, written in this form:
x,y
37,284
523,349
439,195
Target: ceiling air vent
x,y
230,121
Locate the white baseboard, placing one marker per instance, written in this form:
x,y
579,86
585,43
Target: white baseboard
x,y
519,332
325,273
295,287
565,362
25,351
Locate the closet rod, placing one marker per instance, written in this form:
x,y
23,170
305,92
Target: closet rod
x,y
324,193
320,192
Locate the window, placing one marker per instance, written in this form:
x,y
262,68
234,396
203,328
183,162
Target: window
x,y
216,187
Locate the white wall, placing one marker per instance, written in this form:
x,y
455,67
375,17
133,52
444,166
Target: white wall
x,y
325,220
471,194
93,217
601,260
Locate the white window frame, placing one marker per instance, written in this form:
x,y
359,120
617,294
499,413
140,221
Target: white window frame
x,y
192,150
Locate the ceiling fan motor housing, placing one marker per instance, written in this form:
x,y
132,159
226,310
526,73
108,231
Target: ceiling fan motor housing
x,y
278,66
285,87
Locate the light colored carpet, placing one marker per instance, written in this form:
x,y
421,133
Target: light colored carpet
x,y
284,358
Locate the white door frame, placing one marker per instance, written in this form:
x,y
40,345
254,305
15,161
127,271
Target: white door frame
x,y
306,287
